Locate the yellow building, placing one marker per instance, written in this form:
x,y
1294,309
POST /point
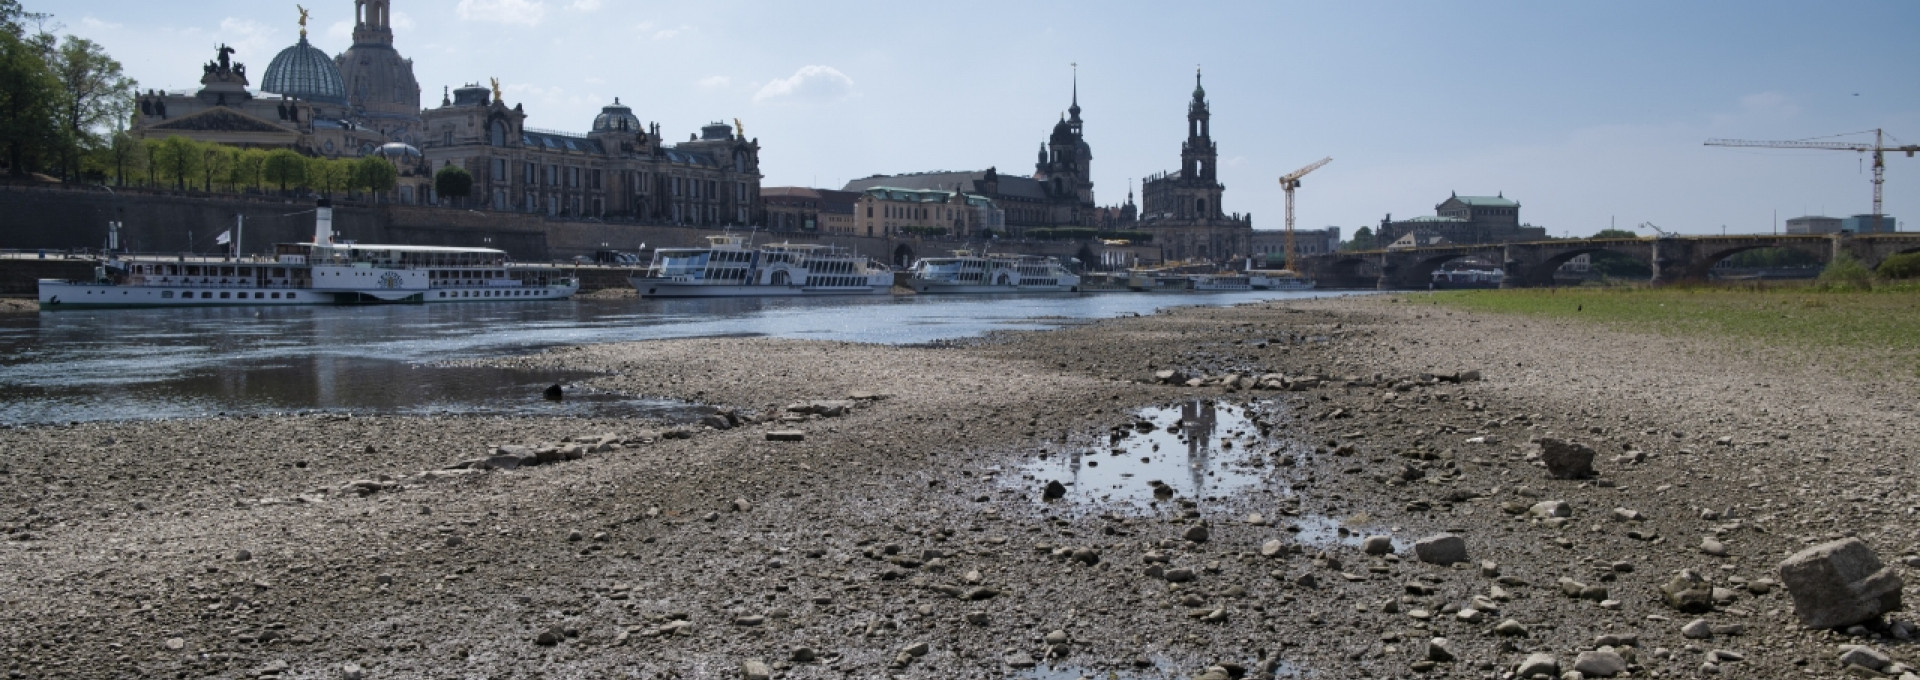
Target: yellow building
x,y
886,211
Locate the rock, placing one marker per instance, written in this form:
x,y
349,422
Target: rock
x,y
1181,575
1510,628
1698,629
802,655
1566,460
1546,509
1625,515
1865,657
917,649
1087,556
1440,651
352,671
749,621
1713,547
1539,663
175,644
1599,664
755,670
1688,592
1441,549
1056,637
786,436
741,505
1054,490
1272,548
548,638
977,617
717,421
1377,545
1197,533
554,393
1839,583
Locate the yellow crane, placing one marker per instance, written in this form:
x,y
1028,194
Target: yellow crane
x,y
1288,183
1878,148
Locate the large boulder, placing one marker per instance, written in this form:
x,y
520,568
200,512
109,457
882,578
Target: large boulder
x,y
1441,549
1565,459
1839,584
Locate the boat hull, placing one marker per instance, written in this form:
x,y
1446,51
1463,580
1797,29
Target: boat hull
x,y
56,294
936,288
661,288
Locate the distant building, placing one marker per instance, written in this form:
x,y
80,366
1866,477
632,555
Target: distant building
x,y
1812,224
1418,239
887,211
807,209
1270,244
1866,224
1182,209
1466,220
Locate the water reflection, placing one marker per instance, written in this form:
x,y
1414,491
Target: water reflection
x,y
1200,449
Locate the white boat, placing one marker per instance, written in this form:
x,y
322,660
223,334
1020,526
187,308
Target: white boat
x,y
963,272
1218,283
1279,280
728,267
323,272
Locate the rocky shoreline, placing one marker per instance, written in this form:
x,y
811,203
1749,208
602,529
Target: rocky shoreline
x,y
872,511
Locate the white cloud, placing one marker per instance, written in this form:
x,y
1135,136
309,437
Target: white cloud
x,y
98,25
670,33
584,5
525,12
715,82
341,30
251,40
402,21
811,84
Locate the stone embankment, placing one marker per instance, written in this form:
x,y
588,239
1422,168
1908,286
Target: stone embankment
x,y
1441,495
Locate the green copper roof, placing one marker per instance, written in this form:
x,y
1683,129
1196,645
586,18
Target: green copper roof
x,y
1488,201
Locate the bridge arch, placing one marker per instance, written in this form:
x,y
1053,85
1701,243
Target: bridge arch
x,y
903,256
1533,265
1419,273
1700,267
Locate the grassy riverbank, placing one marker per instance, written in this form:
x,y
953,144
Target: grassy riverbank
x,y
1886,320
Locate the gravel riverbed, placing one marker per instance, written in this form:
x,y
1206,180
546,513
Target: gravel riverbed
x,y
861,511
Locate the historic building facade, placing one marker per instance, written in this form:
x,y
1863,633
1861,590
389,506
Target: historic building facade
x,y
1182,209
1464,220
805,209
619,170
381,91
889,211
1058,194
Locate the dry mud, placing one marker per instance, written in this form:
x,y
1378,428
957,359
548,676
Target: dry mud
x,y
907,533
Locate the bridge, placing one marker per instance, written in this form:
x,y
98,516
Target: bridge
x,y
1673,259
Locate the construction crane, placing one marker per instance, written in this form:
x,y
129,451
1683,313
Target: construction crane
x,y
1656,229
1878,148
1288,183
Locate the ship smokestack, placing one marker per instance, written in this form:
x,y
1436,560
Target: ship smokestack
x,y
323,223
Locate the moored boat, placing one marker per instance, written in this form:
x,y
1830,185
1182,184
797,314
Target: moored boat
x,y
1283,279
728,267
964,272
318,273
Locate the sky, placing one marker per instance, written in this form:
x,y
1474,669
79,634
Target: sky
x,y
1589,114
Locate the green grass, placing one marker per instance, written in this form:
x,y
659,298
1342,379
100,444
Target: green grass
x,y
1882,321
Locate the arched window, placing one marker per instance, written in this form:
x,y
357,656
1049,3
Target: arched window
x,y
499,134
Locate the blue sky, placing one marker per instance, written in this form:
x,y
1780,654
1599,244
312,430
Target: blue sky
x,y
1588,113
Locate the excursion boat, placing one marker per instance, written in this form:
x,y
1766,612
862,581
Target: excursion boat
x,y
1279,280
323,272
967,273
1221,283
728,267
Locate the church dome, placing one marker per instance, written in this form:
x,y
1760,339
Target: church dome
x,y
399,152
304,72
616,118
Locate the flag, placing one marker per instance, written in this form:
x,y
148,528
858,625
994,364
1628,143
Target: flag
x,y
224,238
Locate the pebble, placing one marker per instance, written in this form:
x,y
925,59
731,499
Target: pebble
x,y
176,644
755,670
1511,627
1441,549
1713,547
801,655
1377,545
1698,629
1272,547
1600,664
352,671
1197,533
1538,663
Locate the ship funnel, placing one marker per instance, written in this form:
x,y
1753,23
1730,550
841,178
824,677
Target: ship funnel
x,y
323,223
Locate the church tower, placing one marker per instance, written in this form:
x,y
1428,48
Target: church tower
x,y
1066,163
381,90
1198,157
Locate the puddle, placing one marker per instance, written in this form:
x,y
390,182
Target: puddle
x,y
1200,450
1161,668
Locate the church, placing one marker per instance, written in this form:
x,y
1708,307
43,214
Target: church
x,y
1182,209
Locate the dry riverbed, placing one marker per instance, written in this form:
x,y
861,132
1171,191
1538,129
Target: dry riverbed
x,y
973,510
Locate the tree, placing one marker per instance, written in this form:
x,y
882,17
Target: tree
x,y
215,161
94,95
1615,233
29,98
125,155
248,167
176,158
327,174
375,174
1362,240
284,167
453,181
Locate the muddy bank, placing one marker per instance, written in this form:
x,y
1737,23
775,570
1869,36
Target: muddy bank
x,y
863,511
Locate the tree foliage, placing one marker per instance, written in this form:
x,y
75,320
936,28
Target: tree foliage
x,y
95,96
30,135
1362,240
1901,266
285,168
178,159
1615,233
375,174
453,181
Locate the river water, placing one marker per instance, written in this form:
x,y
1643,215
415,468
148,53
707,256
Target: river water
x,y
67,366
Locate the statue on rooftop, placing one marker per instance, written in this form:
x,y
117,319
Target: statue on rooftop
x,y
303,20
226,57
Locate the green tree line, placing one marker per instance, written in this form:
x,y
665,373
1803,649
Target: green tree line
x,y
183,164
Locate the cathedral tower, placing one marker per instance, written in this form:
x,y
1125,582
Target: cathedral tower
x,y
1198,156
381,88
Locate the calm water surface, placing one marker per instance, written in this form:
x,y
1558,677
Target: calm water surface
x,y
159,363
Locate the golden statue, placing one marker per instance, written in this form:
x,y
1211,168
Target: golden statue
x,y
496,90
741,129
303,20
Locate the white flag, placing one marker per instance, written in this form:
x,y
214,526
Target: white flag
x,y
224,238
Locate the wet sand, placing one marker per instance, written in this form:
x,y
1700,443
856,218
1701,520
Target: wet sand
x,y
907,533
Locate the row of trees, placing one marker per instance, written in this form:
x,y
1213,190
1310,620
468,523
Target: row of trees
x,y
186,165
60,98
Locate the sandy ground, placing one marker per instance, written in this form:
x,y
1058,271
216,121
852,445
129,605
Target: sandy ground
x,y
906,533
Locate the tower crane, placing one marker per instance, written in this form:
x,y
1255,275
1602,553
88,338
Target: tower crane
x,y
1878,148
1288,183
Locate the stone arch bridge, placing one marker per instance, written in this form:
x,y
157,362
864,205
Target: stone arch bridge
x,y
1675,259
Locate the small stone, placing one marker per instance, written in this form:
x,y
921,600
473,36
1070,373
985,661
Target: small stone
x,y
175,644
976,617
1272,547
1625,515
1564,459
786,436
1866,657
1688,592
242,556
1441,549
1539,663
741,505
1713,547
1547,509
1180,575
1054,490
1440,651
917,649
1056,637
1377,545
749,621
1599,664
1510,628
352,671
802,655
1197,533
1698,629
755,670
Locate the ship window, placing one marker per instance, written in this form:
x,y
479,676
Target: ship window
x,y
206,295
224,296
291,296
166,294
276,296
